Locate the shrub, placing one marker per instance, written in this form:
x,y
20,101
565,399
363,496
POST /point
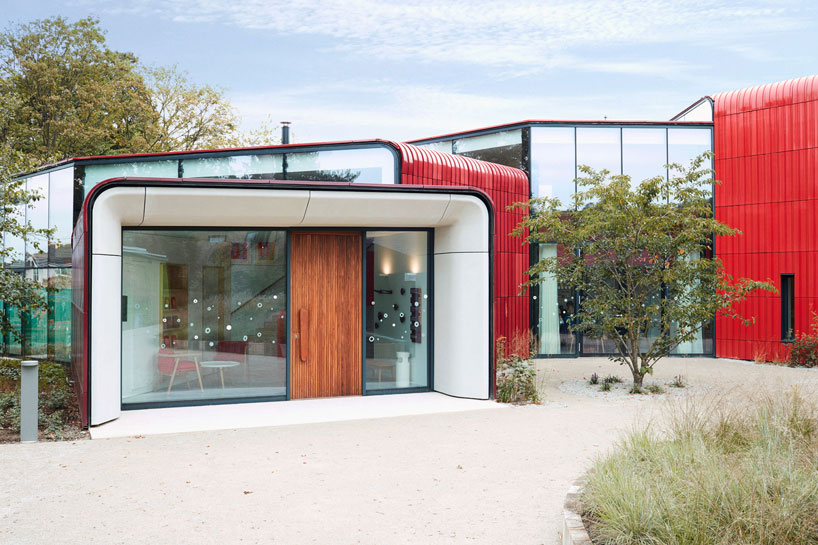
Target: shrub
x,y
678,382
654,389
612,379
719,473
594,379
516,373
606,387
804,349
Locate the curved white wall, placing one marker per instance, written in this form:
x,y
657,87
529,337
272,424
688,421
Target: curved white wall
x,y
461,268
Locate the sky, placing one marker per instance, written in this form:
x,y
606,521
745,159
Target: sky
x,y
360,69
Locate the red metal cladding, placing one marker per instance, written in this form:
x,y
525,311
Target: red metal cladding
x,y
505,186
766,158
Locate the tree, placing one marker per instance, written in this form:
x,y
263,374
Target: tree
x,y
72,96
26,296
641,258
187,116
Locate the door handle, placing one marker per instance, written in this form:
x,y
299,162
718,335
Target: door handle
x,y
303,327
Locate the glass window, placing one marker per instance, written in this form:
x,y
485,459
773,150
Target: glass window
x,y
37,320
37,216
599,148
504,148
14,344
204,315
60,210
252,167
644,153
94,174
443,147
366,166
397,310
553,163
686,144
787,307
59,319
16,258
556,306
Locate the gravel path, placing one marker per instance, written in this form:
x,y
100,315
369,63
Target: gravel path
x,y
483,476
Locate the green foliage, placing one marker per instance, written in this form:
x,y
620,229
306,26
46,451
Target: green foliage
x,y
516,372
606,387
56,401
594,379
721,473
612,379
804,349
678,382
638,253
654,389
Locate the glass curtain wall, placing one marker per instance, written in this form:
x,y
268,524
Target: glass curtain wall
x,y
205,316
640,152
398,310
504,148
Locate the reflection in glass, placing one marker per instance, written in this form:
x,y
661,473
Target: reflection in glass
x,y
553,167
94,174
59,314
644,153
504,148
244,167
686,144
556,308
397,310
210,279
599,148
60,215
37,216
367,166
37,320
443,147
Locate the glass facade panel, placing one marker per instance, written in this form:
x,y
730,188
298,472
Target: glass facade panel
x,y
556,305
59,317
94,174
205,315
367,166
16,258
443,147
14,344
599,148
397,310
644,153
504,148
686,144
251,167
37,320
37,215
60,215
553,163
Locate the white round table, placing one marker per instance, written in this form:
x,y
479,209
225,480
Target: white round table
x,y
221,365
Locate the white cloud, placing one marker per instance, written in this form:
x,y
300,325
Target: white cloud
x,y
404,112
523,33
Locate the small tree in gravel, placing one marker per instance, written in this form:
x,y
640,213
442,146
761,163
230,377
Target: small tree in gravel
x,y
641,258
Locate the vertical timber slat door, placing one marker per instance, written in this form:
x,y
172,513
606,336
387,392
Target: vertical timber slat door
x,y
325,273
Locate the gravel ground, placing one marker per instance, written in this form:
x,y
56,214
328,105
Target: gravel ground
x,y
483,476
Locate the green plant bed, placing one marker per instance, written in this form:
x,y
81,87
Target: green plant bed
x,y
59,416
720,474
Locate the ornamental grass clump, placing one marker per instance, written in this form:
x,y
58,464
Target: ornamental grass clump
x,y
516,372
720,473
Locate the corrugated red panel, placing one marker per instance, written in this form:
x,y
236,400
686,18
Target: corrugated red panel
x,y
766,158
505,186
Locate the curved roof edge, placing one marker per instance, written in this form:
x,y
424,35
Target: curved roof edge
x,y
769,95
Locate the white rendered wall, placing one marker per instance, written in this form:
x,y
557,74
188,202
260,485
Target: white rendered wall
x,y
461,267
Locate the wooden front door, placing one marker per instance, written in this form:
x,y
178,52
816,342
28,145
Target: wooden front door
x,y
325,325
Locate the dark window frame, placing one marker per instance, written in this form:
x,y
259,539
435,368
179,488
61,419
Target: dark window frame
x,y
787,308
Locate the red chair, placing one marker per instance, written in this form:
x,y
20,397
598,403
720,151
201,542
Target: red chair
x,y
171,362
